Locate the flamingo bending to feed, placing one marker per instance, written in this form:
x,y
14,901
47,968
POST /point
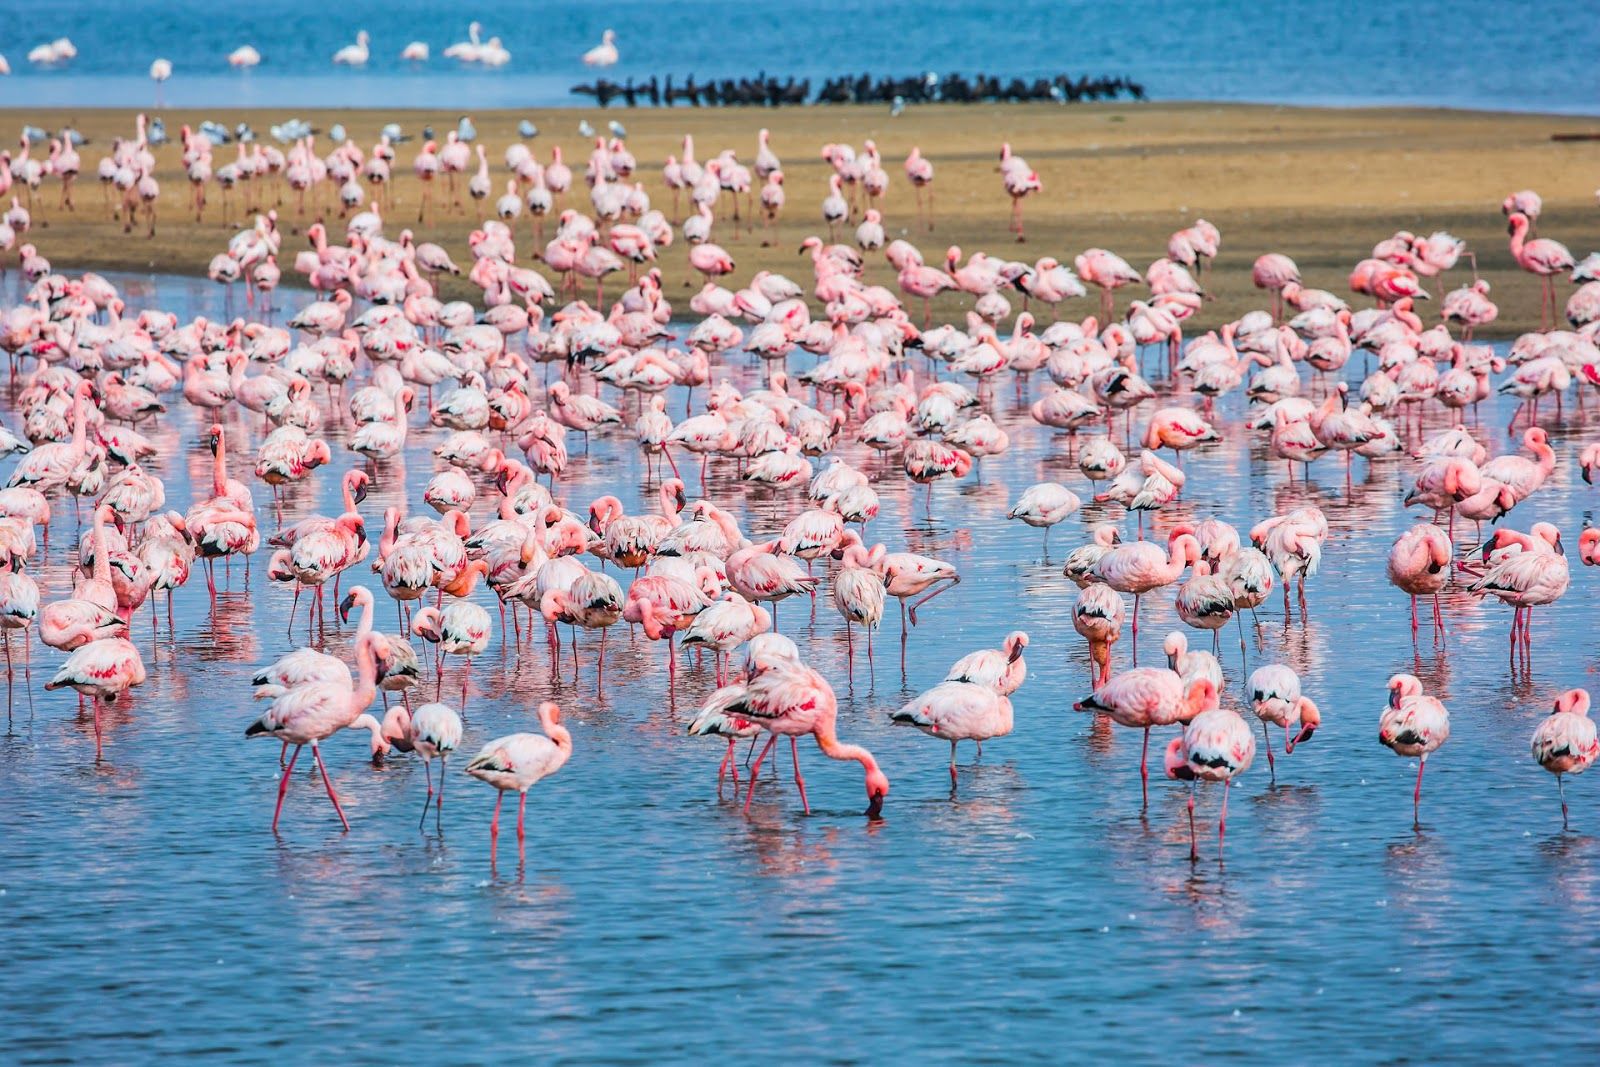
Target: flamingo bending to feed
x,y
1275,697
791,700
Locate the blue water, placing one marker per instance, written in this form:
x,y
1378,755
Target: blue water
x,y
146,911
1453,53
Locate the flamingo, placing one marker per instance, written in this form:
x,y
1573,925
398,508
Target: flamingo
x,y
102,669
516,762
957,711
1147,697
1565,741
1413,724
791,700
1216,745
314,712
1541,257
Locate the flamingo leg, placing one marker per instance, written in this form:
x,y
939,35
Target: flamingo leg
x,y
1194,848
494,827
952,766
1561,789
283,786
755,772
1222,820
1144,769
1416,797
1271,765
328,784
427,766
800,783
522,811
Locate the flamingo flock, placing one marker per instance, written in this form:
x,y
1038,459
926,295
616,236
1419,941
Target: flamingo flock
x,y
853,398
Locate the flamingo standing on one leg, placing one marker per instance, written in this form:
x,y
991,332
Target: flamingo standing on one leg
x,y
1565,742
1413,725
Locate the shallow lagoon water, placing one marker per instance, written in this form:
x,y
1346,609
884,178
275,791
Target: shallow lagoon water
x,y
1443,53
1032,916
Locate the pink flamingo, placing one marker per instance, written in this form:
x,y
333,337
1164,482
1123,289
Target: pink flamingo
x,y
1216,746
1413,725
919,172
957,711
516,762
1107,271
1419,565
1146,697
1140,567
102,669
1002,669
1565,741
1275,698
792,700
764,573
314,712
1097,615
1542,257
1525,579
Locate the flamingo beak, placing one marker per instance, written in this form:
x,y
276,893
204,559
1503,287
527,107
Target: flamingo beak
x,y
875,806
344,607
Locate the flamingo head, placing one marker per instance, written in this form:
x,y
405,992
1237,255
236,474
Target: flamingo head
x,y
1175,761
877,791
1310,720
1402,686
1174,646
1015,642
1573,700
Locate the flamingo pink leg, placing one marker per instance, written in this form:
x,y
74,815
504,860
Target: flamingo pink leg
x,y
755,772
494,827
800,783
317,752
283,786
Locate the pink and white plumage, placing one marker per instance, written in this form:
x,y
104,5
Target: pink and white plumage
x,y
956,711
517,762
791,700
1413,725
1147,697
1419,565
1002,669
1565,741
1216,746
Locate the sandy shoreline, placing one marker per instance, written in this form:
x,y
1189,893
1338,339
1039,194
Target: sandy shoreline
x,y
1319,184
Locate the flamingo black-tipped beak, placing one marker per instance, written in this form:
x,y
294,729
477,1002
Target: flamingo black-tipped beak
x,y
875,806
344,607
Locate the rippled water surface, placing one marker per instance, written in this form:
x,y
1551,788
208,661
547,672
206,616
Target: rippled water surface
x,y
1453,53
1033,916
